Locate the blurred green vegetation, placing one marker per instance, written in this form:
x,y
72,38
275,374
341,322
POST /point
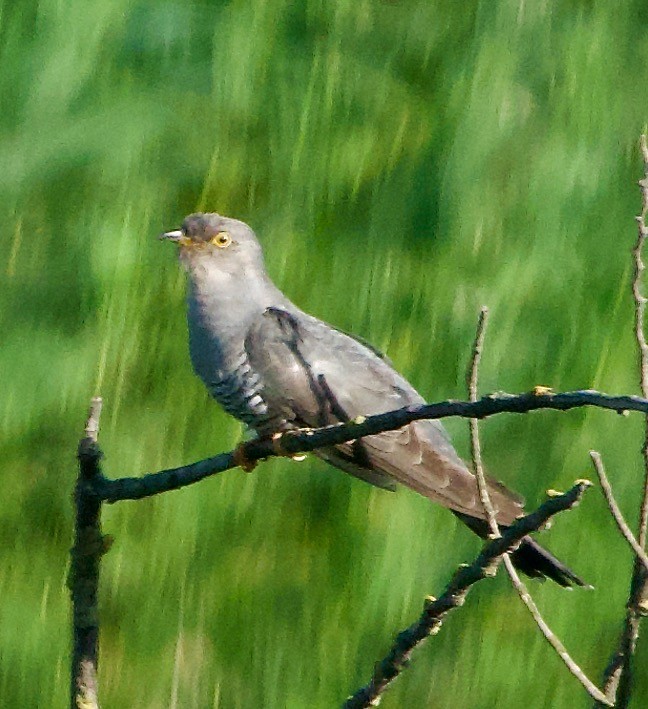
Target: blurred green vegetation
x,y
403,163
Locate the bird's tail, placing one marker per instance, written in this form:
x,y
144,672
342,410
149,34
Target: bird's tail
x,y
530,558
534,560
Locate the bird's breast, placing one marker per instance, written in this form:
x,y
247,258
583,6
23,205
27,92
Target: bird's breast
x,y
219,359
238,389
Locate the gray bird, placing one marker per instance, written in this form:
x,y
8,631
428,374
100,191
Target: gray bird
x,y
274,367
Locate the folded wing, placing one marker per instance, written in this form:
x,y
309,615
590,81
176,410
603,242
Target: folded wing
x,y
315,375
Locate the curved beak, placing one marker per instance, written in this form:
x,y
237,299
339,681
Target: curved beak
x,y
176,236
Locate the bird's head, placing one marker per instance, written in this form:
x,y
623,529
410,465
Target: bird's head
x,y
217,245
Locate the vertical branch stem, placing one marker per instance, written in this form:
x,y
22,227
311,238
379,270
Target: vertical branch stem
x,y
618,674
86,555
473,379
640,310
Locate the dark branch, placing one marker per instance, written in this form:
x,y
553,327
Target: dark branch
x,y
83,581
435,611
294,442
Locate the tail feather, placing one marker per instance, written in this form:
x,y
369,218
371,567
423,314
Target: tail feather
x,y
530,558
535,561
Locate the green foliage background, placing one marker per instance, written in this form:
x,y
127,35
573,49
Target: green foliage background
x,y
403,163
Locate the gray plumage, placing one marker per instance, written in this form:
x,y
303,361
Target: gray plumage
x,y
274,367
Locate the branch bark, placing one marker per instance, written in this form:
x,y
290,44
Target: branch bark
x,y
436,610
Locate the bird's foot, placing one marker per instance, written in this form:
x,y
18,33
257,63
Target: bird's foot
x,y
241,459
279,450
541,390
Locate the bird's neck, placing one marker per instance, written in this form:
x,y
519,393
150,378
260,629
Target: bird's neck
x,y
225,305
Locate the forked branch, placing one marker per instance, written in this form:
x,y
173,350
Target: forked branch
x,y
436,610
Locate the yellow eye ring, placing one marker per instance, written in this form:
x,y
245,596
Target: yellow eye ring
x,y
222,240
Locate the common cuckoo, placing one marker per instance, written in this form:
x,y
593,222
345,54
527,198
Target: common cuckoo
x,y
275,367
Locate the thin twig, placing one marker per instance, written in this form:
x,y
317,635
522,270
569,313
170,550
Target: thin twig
x,y
475,445
551,637
618,673
615,510
294,442
519,586
436,610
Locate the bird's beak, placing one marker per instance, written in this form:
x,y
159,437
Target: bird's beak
x,y
177,236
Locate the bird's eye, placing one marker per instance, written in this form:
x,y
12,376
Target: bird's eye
x,y
222,239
